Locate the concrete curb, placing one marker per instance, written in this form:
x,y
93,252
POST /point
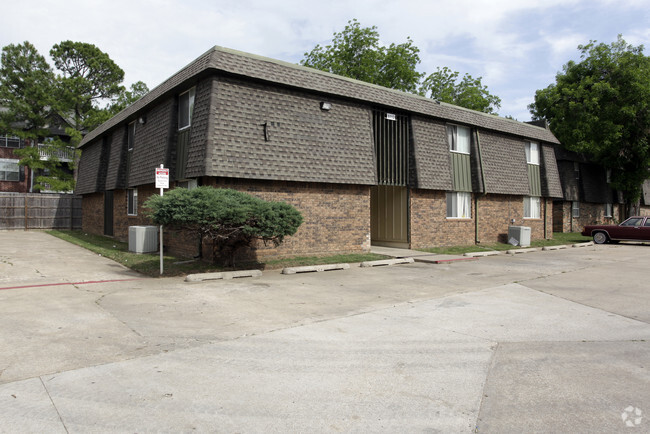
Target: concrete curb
x,y
587,244
428,260
314,268
547,248
226,275
515,251
382,262
482,254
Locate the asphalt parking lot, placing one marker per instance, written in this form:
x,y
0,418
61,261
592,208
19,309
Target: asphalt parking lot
x,y
552,341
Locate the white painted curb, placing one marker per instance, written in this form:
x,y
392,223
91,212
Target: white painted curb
x,y
515,251
546,248
482,254
226,275
315,268
587,244
387,262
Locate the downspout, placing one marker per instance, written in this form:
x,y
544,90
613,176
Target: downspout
x,y
480,163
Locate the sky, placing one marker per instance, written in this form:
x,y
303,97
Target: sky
x,y
516,46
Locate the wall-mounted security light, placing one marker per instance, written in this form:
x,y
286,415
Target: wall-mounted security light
x,y
326,106
391,117
142,120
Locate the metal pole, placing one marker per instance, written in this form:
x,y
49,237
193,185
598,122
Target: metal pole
x,y
161,235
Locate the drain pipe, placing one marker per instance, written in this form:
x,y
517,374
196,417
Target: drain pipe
x,y
480,163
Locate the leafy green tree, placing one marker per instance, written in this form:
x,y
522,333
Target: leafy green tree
x,y
444,85
26,92
600,106
356,53
125,98
88,77
229,218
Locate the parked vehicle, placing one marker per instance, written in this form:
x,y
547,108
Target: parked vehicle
x,y
633,229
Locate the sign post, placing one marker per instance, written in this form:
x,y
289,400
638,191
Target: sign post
x,y
162,182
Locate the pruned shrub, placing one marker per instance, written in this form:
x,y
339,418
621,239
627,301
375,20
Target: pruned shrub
x,y
230,219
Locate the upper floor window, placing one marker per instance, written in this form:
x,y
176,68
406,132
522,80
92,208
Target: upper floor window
x,y
185,108
9,170
532,153
608,176
9,142
459,138
130,138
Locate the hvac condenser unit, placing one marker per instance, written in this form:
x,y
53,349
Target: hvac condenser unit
x,y
143,239
519,236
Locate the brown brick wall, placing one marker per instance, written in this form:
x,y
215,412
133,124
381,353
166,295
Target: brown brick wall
x,y
336,217
431,228
590,214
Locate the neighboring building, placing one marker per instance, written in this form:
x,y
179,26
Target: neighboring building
x,y
364,164
644,208
588,197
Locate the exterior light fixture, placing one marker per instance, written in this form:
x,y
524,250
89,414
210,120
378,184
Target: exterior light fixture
x,y
326,106
142,120
391,117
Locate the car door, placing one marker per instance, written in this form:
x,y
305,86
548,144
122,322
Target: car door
x,y
645,230
630,229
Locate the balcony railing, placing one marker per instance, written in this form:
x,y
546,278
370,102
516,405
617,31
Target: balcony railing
x,y
64,155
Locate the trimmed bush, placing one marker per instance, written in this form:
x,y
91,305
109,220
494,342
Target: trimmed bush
x,y
230,219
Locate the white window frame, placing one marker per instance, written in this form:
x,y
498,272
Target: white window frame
x,y
185,109
609,210
187,183
12,142
532,153
459,205
532,207
130,136
132,201
575,209
7,166
460,143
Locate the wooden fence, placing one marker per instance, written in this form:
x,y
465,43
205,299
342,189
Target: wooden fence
x,y
39,211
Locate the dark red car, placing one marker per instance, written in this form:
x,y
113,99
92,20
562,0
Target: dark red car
x,y
632,229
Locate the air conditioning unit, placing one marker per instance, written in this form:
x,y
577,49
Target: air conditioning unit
x,y
519,236
143,239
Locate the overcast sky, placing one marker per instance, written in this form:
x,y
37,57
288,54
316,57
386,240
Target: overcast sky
x,y
517,46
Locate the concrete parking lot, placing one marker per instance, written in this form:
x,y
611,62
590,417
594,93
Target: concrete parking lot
x,y
552,341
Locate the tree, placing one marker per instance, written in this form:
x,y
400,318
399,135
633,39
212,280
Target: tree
x,y
26,91
443,85
600,107
88,76
356,53
86,92
229,218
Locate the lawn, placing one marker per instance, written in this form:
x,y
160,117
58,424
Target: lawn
x,y
149,263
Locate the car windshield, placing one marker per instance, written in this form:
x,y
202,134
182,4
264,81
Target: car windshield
x,y
634,221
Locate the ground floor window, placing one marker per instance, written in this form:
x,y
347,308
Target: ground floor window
x,y
608,210
459,205
188,183
532,207
132,201
575,209
9,170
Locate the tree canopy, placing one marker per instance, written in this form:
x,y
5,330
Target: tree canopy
x,y
229,218
444,85
84,91
357,52
600,106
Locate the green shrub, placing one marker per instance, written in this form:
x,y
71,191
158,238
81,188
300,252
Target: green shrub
x,y
230,219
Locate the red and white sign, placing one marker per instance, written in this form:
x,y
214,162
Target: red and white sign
x,y
162,178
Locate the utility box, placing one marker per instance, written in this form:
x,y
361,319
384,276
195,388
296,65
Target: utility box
x,y
519,236
143,239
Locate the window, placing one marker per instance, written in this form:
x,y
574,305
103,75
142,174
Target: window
x,y
185,108
608,210
575,209
633,222
130,139
532,153
608,176
189,184
576,169
647,222
9,142
132,201
9,170
459,138
459,205
532,208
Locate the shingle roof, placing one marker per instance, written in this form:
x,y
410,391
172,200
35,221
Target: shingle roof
x,y
224,60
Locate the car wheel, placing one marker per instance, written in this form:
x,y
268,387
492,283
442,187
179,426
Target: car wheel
x,y
600,238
